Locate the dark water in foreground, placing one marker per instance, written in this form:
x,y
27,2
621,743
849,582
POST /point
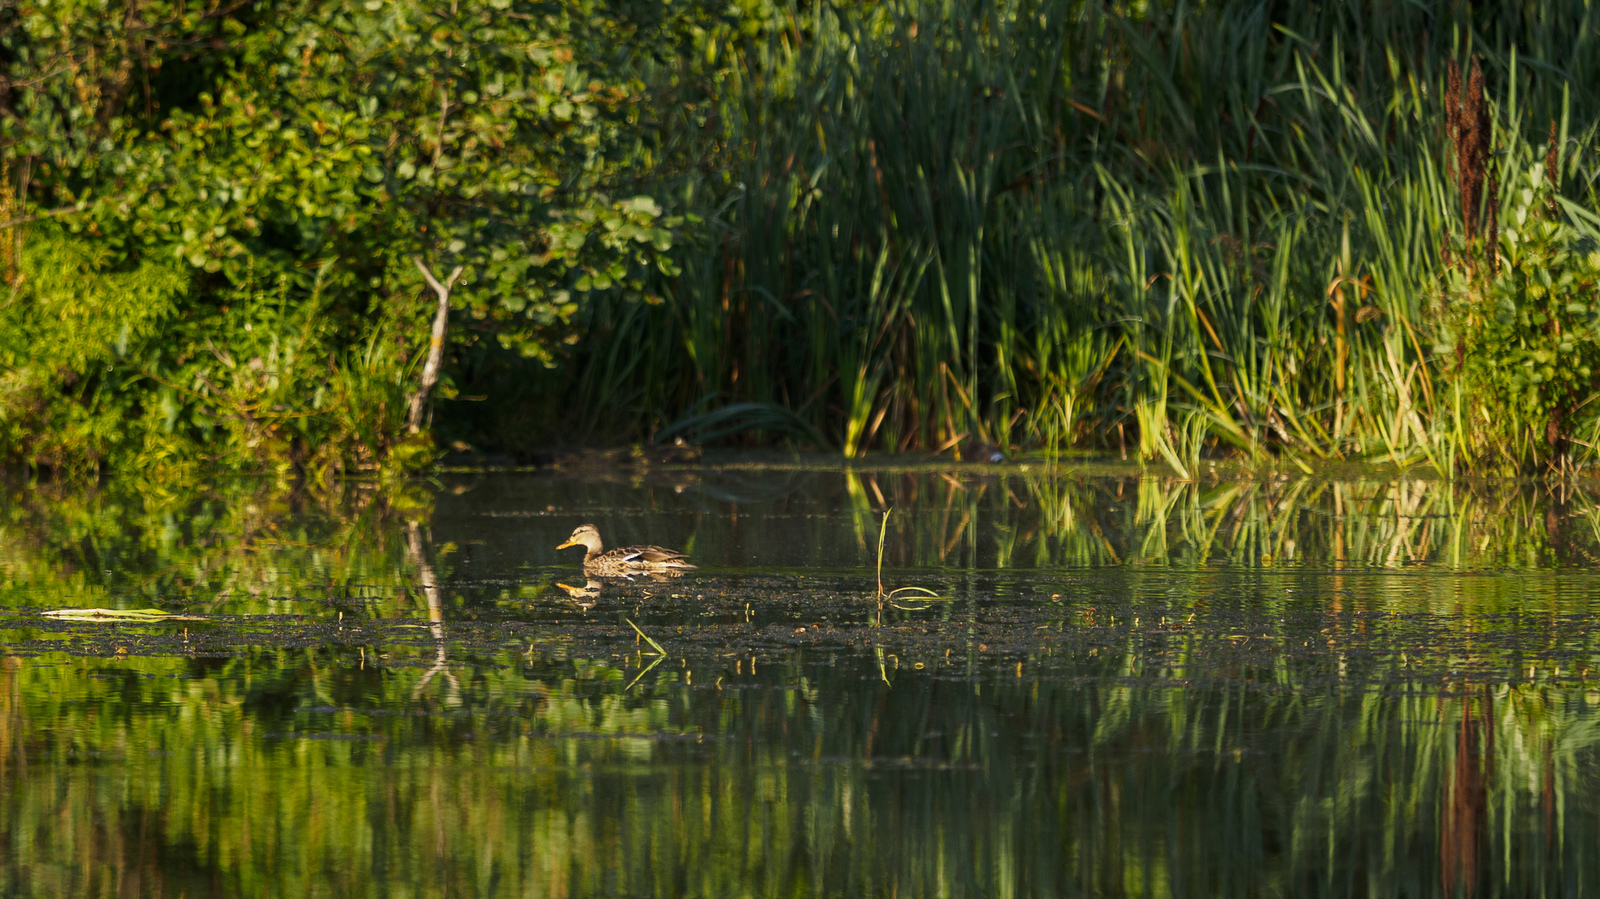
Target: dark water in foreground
x,y
1128,687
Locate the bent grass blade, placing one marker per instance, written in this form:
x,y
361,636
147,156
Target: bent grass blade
x,y
653,644
892,597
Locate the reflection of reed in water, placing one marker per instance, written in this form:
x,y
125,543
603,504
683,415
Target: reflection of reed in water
x,y
1046,519
1464,801
12,725
924,787
1049,786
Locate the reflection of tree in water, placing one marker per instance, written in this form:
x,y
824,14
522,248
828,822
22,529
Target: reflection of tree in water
x,y
421,557
237,547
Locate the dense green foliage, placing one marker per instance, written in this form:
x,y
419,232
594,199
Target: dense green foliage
x,y
1232,226
251,197
1203,227
1527,338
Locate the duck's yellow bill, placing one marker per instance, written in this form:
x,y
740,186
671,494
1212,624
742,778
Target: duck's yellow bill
x,y
567,544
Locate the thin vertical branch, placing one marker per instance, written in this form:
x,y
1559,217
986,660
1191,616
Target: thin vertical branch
x,y
430,368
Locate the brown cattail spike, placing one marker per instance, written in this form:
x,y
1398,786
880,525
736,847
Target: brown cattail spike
x,y
1467,120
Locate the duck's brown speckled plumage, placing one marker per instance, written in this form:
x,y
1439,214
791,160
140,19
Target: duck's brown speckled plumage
x,y
623,559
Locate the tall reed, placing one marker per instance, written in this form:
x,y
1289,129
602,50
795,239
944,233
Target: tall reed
x,y
1052,224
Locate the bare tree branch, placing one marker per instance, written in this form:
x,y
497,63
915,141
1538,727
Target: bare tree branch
x,y
430,368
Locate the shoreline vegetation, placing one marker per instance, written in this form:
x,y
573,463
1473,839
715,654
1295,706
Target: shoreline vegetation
x,y
317,237
163,547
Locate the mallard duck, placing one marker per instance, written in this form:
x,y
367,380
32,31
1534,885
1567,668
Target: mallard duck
x,y
623,559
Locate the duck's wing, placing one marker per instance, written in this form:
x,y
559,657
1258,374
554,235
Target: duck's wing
x,y
650,555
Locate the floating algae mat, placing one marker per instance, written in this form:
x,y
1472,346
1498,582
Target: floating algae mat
x,y
1126,686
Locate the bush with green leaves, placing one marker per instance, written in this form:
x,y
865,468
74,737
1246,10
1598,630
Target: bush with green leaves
x,y
1521,340
231,216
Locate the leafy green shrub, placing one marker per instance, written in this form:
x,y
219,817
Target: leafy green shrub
x,y
104,363
247,207
68,340
1523,343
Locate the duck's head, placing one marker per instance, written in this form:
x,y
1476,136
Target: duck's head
x,y
586,535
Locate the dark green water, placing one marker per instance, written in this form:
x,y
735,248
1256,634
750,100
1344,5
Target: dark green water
x,y
1128,687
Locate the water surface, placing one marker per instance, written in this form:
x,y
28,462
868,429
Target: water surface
x,y
1126,686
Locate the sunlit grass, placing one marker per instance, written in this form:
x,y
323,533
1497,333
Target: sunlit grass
x,y
1058,225
895,596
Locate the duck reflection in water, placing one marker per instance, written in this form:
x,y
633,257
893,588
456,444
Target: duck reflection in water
x,y
587,596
